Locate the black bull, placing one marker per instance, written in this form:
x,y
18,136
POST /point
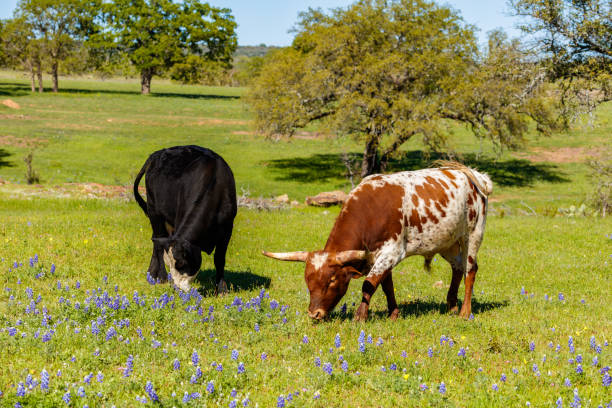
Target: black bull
x,y
191,204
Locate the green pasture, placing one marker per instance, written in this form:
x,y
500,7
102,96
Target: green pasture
x,y
542,280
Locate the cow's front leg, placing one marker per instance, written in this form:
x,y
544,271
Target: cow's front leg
x,y
387,285
368,289
381,268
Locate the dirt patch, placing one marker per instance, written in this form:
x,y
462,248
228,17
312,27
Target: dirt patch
x,y
243,133
71,126
73,190
216,121
9,140
560,155
11,104
13,117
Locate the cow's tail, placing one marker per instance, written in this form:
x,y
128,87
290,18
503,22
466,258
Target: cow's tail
x,y
141,202
427,264
482,183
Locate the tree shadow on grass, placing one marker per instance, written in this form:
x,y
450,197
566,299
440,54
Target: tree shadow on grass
x,y
421,308
329,167
236,281
17,89
4,155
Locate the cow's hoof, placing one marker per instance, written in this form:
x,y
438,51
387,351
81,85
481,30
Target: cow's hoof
x,y
361,315
394,314
222,288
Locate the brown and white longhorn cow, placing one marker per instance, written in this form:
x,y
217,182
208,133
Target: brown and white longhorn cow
x,y
390,217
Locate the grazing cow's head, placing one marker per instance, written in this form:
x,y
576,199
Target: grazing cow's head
x,y
183,258
327,276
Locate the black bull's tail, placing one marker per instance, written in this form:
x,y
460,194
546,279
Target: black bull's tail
x,y
141,202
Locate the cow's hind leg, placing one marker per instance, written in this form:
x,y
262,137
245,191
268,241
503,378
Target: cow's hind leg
x,y
387,285
455,258
470,277
220,251
157,269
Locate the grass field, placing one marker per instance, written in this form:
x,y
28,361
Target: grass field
x,y
75,300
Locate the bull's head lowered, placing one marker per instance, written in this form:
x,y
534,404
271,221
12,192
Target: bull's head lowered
x,y
327,275
183,259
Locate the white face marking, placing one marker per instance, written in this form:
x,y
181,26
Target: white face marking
x,y
183,282
318,260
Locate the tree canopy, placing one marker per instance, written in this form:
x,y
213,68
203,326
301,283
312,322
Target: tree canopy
x,y
386,71
575,39
158,34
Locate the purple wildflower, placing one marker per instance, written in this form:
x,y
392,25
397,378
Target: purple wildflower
x,y
273,304
531,346
234,354
264,355
44,380
461,352
280,402
100,377
579,369
345,366
129,366
606,380
494,387
567,382
21,390
219,367
327,367
81,392
305,339
503,377
176,365
66,398
429,352
317,361
151,392
337,341
423,387
210,387
442,388
195,359
241,368
256,327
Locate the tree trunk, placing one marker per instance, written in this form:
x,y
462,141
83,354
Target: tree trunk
x,y
32,78
145,81
54,69
39,75
371,163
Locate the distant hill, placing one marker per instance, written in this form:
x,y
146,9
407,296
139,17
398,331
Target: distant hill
x,y
253,50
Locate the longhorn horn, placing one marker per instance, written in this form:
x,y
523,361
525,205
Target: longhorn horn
x,y
353,255
299,256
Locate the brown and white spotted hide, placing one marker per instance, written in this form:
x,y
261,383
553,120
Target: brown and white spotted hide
x,y
391,217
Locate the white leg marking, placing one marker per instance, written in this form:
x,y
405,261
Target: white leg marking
x,y
182,281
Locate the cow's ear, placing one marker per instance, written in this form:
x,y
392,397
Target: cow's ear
x,y
163,242
352,272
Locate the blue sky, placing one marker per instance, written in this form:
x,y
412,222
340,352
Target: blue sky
x,y
268,21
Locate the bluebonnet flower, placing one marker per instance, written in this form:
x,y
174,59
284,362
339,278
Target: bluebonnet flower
x,y
151,392
100,377
245,402
87,379
429,352
195,358
66,398
369,339
598,349
219,367
579,358
52,270
567,382
522,290
241,368
232,404
234,354
595,361
531,346
343,309
233,393
606,380
264,355
305,339
561,297
503,377
327,367
337,341
535,368
256,327
576,402
129,366
379,342
110,333
280,402
273,304
317,361
559,402
176,365
345,366
423,387
81,392
362,347
579,369
210,387
383,369
461,352
393,366
21,390
44,380
12,331
494,387
403,354
442,388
